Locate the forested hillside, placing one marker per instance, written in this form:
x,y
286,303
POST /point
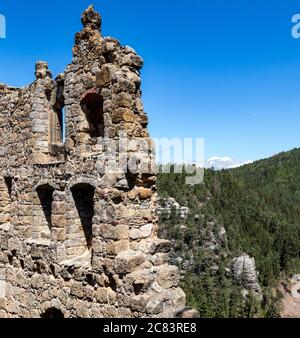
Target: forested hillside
x,y
253,210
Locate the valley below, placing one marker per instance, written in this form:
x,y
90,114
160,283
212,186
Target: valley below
x,y
236,237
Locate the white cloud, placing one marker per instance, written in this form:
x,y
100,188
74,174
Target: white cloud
x,y
219,163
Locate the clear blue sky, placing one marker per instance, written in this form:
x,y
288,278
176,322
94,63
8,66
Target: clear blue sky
x,y
225,70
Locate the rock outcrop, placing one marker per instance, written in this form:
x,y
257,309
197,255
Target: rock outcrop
x,y
245,274
294,286
291,297
209,237
168,205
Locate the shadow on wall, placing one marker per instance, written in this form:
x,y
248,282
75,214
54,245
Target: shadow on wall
x,y
92,106
52,313
45,194
83,195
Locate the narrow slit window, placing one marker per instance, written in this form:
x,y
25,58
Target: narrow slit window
x,y
58,125
63,125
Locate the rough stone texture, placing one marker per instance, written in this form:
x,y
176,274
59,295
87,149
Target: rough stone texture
x,y
294,286
245,274
210,240
77,240
167,205
290,297
188,312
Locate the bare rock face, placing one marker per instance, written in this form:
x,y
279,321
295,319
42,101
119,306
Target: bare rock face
x,y
210,240
291,297
294,286
167,205
78,213
245,274
188,312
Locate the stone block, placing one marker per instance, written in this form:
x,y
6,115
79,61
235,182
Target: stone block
x,y
146,230
128,261
121,232
114,248
168,276
160,245
135,234
145,193
102,295
139,303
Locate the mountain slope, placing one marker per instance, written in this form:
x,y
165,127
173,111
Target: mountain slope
x,y
255,210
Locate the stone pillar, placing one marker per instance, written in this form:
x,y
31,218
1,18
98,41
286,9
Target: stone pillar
x,y
40,113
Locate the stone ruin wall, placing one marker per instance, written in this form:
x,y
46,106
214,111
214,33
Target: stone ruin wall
x,y
76,241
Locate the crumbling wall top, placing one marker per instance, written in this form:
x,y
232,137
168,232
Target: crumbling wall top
x,y
91,18
41,70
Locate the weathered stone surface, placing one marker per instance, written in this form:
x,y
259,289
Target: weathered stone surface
x,y
145,193
160,245
139,303
77,226
102,295
154,307
146,230
290,297
105,75
115,248
121,232
139,281
294,286
169,205
245,274
123,114
168,277
127,262
135,234
187,312
91,17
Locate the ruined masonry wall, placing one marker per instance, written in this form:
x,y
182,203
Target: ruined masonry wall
x,y
74,239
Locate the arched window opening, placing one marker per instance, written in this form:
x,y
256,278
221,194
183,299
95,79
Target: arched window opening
x,y
92,106
52,313
83,195
43,211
